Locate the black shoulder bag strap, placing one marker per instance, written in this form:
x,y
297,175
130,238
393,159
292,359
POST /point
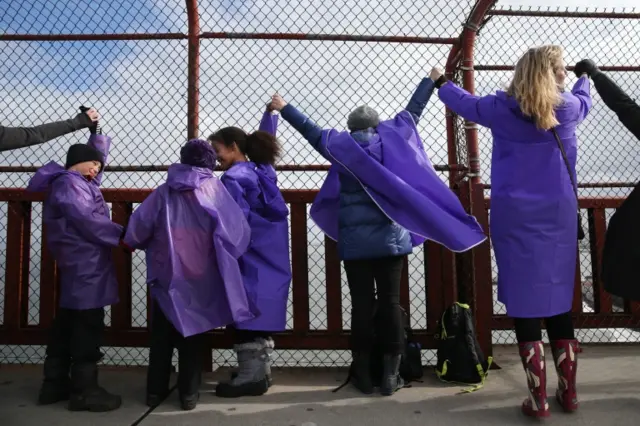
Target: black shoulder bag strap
x,y
581,234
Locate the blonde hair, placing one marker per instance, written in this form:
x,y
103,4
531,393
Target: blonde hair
x,y
534,85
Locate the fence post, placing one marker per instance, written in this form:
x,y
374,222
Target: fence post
x,y
193,69
16,302
482,286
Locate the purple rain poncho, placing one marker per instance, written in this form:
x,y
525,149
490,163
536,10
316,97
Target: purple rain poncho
x,y
80,233
193,234
266,266
533,205
405,186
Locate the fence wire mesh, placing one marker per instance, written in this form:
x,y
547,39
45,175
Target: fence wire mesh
x,y
140,88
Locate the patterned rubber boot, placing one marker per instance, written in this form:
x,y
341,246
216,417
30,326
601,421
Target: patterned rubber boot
x,y
566,361
532,355
251,377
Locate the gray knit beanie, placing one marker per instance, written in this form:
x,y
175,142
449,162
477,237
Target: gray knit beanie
x,y
362,118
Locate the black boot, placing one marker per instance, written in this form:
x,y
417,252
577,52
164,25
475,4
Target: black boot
x,y
86,395
56,386
189,402
361,372
391,380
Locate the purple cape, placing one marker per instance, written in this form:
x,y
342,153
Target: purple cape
x,y
193,233
80,233
405,187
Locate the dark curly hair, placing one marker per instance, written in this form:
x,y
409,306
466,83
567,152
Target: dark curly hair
x,y
260,147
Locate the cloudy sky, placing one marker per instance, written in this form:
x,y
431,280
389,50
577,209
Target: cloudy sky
x,y
140,86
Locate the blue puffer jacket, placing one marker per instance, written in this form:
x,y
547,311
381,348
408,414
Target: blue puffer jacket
x,y
365,232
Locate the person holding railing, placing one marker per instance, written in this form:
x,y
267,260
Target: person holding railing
x,y
80,236
619,257
250,178
193,234
381,198
534,227
21,137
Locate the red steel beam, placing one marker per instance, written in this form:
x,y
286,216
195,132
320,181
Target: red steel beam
x,y
193,69
564,14
468,38
614,68
92,37
279,168
328,37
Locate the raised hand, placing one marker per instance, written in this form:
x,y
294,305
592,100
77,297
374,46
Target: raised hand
x,y
585,66
277,102
435,74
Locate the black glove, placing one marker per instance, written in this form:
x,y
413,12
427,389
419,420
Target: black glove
x,y
585,66
94,127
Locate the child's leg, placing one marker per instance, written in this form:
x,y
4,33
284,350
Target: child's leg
x,y
86,339
55,386
160,356
190,370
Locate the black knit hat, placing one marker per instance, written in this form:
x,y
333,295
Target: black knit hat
x,y
79,153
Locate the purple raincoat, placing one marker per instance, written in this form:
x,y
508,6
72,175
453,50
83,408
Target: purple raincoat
x,y
80,234
405,186
533,206
193,233
266,266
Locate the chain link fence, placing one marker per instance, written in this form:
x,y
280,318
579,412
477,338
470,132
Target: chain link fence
x,y
130,60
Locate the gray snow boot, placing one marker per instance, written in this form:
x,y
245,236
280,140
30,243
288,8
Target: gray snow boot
x,y
268,350
251,377
391,380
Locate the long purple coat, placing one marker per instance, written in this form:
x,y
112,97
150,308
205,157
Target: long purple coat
x,y
266,266
533,206
193,233
80,234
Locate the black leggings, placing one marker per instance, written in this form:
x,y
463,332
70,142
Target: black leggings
x,y
559,327
367,279
241,336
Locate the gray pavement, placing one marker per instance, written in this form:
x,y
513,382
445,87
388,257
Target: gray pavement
x,y
609,390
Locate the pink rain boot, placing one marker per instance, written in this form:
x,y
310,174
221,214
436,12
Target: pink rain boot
x,y
566,361
532,355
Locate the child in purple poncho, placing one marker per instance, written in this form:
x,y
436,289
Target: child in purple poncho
x,y
80,236
251,180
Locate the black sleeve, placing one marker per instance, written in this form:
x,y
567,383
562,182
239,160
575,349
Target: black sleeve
x,y
20,137
618,101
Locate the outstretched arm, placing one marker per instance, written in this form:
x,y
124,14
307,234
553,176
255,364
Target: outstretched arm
x,y
470,107
101,143
627,110
420,98
142,222
581,91
20,137
303,124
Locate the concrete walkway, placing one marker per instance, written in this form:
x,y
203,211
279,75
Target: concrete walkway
x,y
609,386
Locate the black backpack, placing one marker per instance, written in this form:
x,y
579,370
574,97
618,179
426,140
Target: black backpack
x,y
410,364
460,359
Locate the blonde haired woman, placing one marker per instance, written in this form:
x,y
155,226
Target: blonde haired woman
x,y
533,209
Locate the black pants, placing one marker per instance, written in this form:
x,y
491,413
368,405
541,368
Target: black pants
x,y
247,336
76,337
164,338
372,279
559,327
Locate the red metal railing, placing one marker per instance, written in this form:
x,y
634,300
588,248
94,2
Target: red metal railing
x,y
15,330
